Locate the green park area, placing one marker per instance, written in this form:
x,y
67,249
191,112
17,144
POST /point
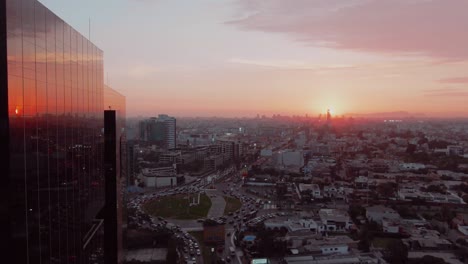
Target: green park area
x,y
232,204
383,242
177,207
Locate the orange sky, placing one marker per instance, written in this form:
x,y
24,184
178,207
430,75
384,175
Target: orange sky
x,y
243,57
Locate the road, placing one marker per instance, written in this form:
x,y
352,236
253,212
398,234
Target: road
x,y
217,203
223,182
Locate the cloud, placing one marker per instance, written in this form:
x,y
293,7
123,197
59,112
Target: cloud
x,y
289,65
142,71
455,80
446,92
434,28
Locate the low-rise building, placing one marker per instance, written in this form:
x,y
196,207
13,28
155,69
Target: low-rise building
x,y
352,258
335,220
159,177
293,224
426,239
379,212
411,166
314,189
409,194
390,226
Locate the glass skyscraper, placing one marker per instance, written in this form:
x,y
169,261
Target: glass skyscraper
x,y
51,146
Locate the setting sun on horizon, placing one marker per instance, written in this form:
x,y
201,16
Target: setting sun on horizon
x,y
241,59
234,131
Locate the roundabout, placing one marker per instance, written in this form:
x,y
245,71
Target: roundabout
x,y
179,206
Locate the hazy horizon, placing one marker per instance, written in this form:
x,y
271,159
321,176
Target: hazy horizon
x,y
239,58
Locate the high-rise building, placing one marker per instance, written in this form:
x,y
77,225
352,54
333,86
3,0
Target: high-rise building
x,y
115,171
170,125
52,191
159,130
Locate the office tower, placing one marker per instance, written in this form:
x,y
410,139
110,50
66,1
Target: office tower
x,y
142,130
115,171
159,130
170,130
51,130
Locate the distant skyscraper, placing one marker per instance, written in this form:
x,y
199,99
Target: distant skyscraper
x,y
52,191
160,131
170,130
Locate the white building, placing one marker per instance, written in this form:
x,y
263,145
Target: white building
x,y
335,220
411,166
335,245
160,181
293,224
159,177
390,226
289,158
408,194
463,230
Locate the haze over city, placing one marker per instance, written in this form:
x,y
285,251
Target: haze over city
x,y
248,57
234,131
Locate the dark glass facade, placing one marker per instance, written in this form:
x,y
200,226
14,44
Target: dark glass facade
x,y
115,162
52,123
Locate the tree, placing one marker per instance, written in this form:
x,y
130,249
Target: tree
x,y
411,148
387,189
462,242
365,238
268,245
462,254
355,211
171,257
396,253
433,144
435,189
427,260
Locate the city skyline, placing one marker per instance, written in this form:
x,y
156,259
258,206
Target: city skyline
x,y
242,58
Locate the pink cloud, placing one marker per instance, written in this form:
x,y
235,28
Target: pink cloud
x,y
449,94
446,92
454,80
435,28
